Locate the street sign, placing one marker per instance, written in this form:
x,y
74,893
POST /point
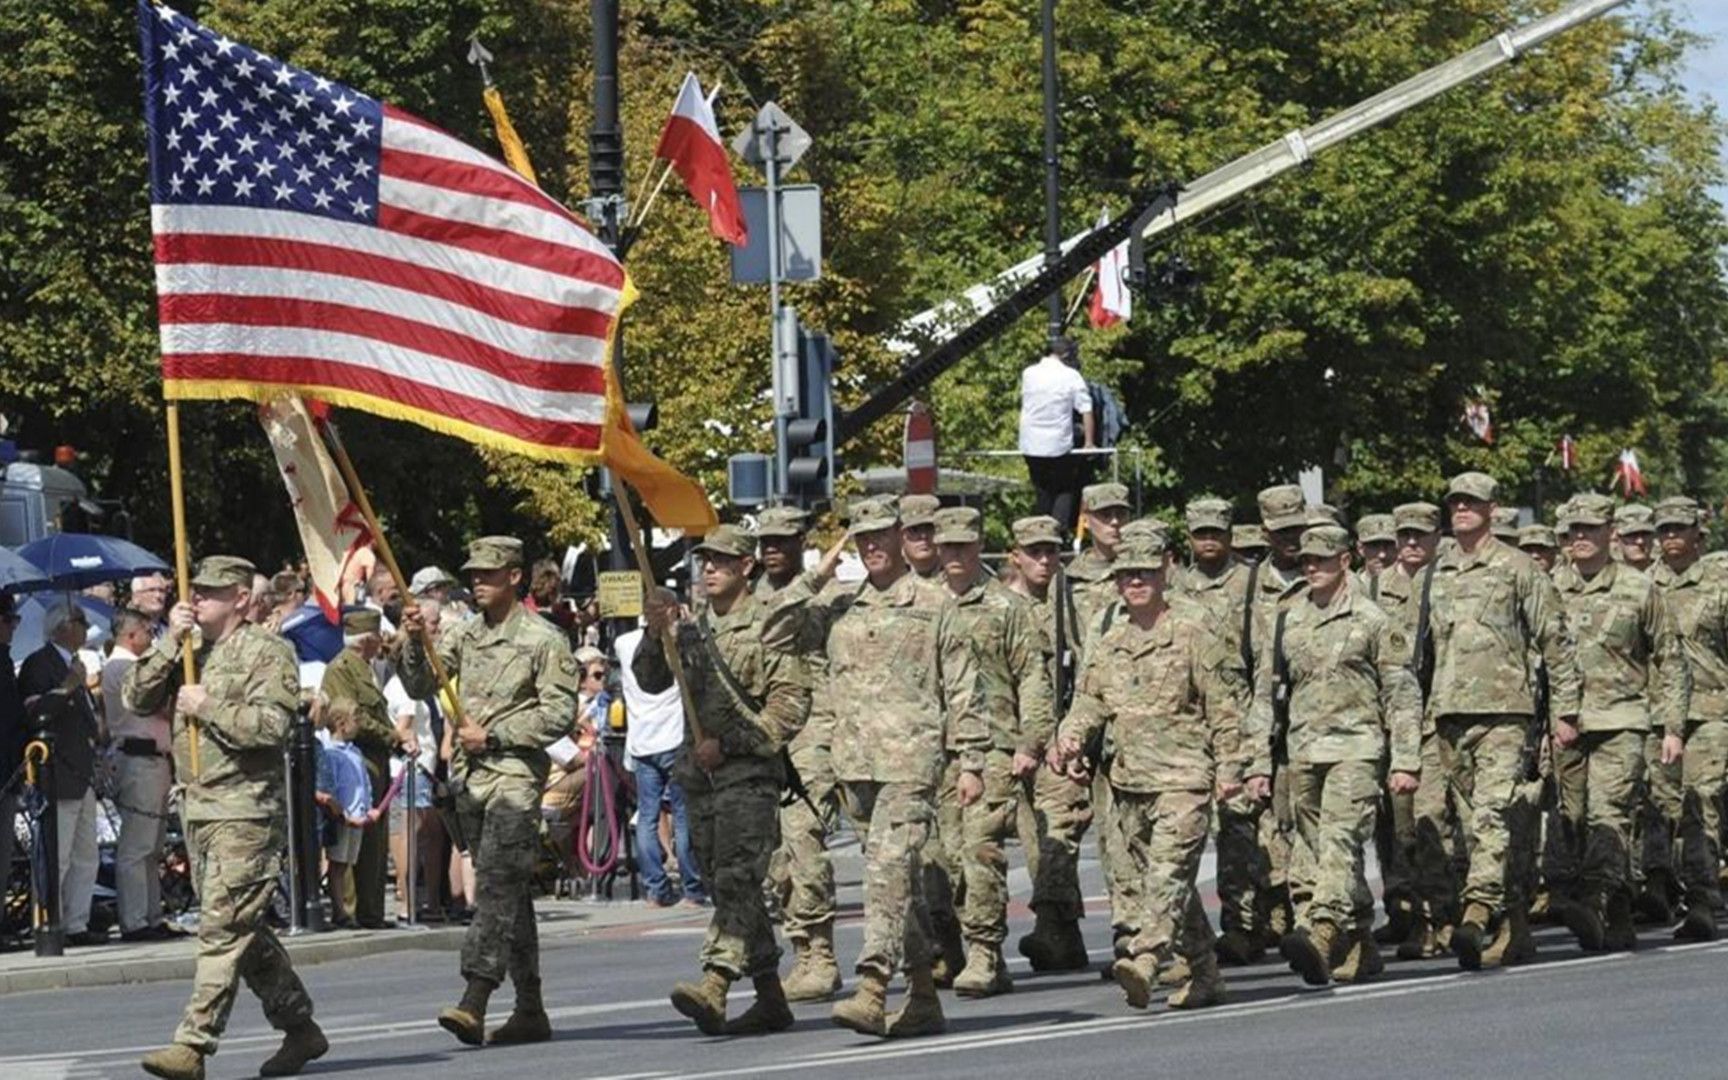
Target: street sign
x,y
772,126
920,450
620,594
800,235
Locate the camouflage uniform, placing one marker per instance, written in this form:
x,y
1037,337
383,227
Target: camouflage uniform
x,y
234,808
517,680
1489,609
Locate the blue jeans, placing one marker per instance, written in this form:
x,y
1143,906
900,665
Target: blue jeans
x,y
654,780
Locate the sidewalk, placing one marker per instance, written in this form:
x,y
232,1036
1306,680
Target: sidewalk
x,y
560,921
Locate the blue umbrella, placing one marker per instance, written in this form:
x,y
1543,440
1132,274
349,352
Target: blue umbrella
x,y
18,574
80,560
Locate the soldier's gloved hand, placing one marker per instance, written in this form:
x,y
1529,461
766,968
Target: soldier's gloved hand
x,y
1403,783
969,788
709,756
1024,765
1565,732
181,622
1673,749
1258,786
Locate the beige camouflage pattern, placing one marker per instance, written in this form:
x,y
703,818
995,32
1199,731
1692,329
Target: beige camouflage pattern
x,y
1334,805
1634,672
1698,601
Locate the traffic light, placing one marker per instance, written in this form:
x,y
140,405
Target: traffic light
x,y
809,446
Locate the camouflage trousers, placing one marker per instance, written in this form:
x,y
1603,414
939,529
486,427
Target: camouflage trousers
x,y
734,830
1482,758
894,821
1164,836
1063,812
800,872
1427,838
503,831
944,858
1657,825
1334,804
1704,770
1613,788
1244,872
1563,844
987,824
237,865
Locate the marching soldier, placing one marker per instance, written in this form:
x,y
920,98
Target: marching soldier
x,y
1540,543
1505,525
751,700
1168,690
1635,538
1333,694
918,538
517,685
1633,673
1247,543
1376,543
234,806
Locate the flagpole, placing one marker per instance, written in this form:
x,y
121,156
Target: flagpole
x,y
358,493
182,570
668,634
655,194
1085,284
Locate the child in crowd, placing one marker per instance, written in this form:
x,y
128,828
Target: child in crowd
x,y
345,793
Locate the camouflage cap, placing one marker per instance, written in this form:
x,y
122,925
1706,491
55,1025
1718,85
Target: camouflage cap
x,y
1590,508
1143,553
1563,516
1146,528
1635,518
1248,538
918,510
1104,496
362,620
733,540
1504,523
221,571
872,515
1325,541
1473,485
1327,514
1038,529
1417,516
1208,513
959,525
1678,510
1537,536
493,553
782,521
1282,507
1376,529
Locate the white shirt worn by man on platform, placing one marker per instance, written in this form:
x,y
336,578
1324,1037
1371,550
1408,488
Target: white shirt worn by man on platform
x,y
1051,393
656,720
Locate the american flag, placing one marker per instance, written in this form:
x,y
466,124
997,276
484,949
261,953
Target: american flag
x,y
313,240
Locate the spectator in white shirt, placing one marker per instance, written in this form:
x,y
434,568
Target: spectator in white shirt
x,y
652,740
145,774
1051,392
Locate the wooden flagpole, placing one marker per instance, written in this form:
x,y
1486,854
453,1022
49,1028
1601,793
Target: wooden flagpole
x,y
669,635
182,569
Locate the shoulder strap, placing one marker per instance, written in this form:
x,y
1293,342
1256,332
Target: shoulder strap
x,y
1247,641
741,697
1280,662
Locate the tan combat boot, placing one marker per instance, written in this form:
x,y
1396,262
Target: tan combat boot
x,y
1361,958
920,1013
1420,944
1584,918
528,1022
704,1002
950,950
768,1014
1471,936
1204,989
176,1062
862,1012
300,1044
1136,976
1309,950
1174,974
985,975
1237,948
467,1019
815,976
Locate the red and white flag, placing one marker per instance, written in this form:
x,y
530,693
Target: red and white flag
x,y
1628,475
1476,418
1567,448
332,530
691,142
1111,302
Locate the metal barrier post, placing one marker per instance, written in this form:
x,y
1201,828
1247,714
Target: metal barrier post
x,y
304,807
49,932
296,890
409,813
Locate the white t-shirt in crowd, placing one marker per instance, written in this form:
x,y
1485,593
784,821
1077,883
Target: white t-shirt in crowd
x,y
656,721
1051,393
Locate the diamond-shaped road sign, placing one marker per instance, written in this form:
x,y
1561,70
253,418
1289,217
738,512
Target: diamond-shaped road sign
x,y
790,140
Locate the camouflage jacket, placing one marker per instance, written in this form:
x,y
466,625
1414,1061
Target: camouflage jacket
x,y
892,686
1352,693
1173,700
254,686
1487,611
1630,656
349,685
1698,603
751,732
1400,596
1093,585
1013,675
516,679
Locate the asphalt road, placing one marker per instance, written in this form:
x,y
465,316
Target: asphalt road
x,y
1661,1012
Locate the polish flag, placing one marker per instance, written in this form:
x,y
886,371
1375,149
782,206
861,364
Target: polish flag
x,y
1111,303
691,142
1477,419
1568,450
1628,474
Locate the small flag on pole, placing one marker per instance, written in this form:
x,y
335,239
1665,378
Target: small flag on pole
x,y
1111,301
1477,419
332,530
1567,448
1628,475
690,141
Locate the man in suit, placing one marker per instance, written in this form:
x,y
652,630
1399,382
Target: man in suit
x,y
11,733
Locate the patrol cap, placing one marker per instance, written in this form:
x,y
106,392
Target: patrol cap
x,y
221,571
1677,510
1635,518
1207,513
362,620
782,521
872,515
1473,485
1038,529
1419,516
918,510
733,540
1248,538
1504,523
1146,528
1104,496
1325,541
428,578
959,525
1589,508
1282,507
1376,529
1538,536
1143,553
1563,516
1326,514
493,553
